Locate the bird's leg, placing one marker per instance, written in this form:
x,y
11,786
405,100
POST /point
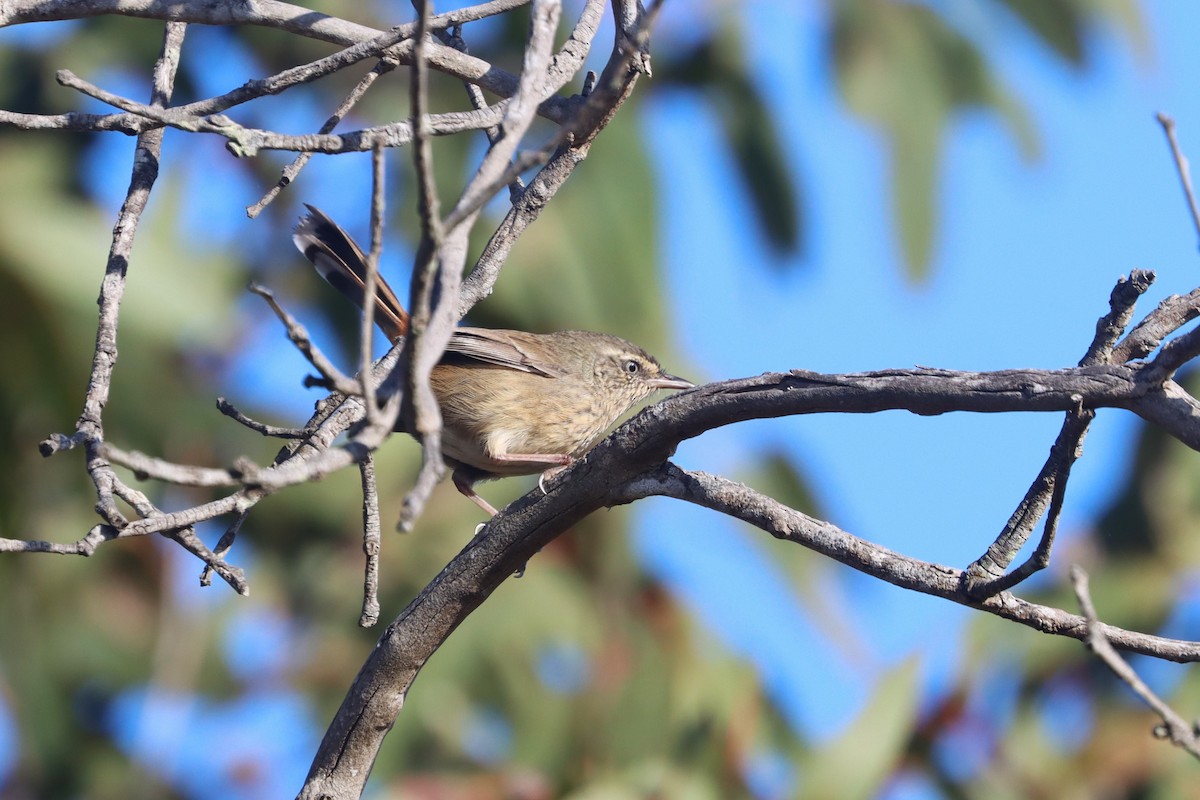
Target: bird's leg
x,y
465,482
466,485
549,460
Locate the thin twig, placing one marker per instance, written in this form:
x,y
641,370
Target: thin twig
x,y
371,544
586,123
84,547
453,37
424,345
213,561
1169,316
224,545
1181,166
184,535
230,410
293,169
366,332
1176,728
299,336
246,142
361,42
1177,352
90,425
144,467
534,86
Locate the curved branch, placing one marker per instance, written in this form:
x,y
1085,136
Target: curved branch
x,y
743,503
603,478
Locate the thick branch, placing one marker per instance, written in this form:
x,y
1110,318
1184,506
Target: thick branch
x,y
934,391
647,440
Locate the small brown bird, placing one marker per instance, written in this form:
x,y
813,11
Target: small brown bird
x,y
512,403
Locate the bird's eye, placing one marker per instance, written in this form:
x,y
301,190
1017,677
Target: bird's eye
x,y
632,367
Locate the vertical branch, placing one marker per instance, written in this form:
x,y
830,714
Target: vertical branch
x,y
425,345
454,38
371,544
366,334
602,102
89,428
443,250
112,288
1181,166
428,205
521,110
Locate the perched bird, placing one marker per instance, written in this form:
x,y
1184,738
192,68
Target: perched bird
x,y
512,402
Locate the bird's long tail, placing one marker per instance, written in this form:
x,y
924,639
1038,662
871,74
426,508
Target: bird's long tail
x,y
343,265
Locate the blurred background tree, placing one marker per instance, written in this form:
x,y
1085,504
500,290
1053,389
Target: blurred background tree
x,y
597,674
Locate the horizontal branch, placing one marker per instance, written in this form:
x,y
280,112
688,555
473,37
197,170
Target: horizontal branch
x,y
364,41
631,457
247,142
1136,387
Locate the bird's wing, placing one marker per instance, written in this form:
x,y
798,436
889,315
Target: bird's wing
x,y
503,348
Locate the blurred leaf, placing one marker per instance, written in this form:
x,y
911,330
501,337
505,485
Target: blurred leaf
x,y
778,476
1062,25
856,763
1058,23
763,164
903,68
718,67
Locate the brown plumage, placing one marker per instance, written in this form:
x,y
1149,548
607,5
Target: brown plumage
x,y
512,402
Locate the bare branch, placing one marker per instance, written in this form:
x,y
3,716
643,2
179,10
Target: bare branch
x,y
1176,728
1171,314
145,466
742,502
986,574
623,468
366,331
231,411
478,102
247,142
597,109
224,545
371,544
430,330
296,332
362,41
290,172
1181,166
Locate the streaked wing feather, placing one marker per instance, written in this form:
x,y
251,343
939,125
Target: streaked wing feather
x,y
498,347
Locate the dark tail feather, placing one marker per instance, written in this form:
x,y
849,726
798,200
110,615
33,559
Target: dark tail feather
x,y
343,265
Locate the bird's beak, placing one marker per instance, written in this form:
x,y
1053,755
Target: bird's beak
x,y
667,381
